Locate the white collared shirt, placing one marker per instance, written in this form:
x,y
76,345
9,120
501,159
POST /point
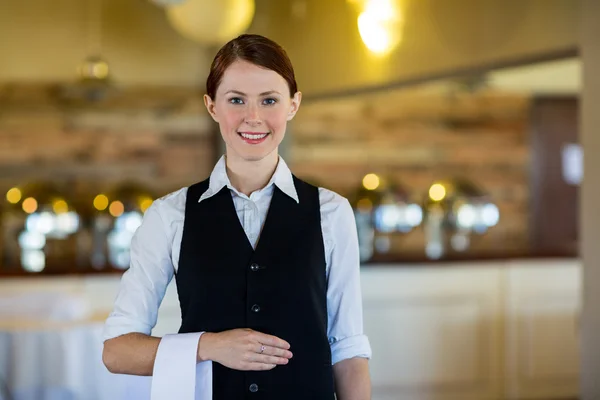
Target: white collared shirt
x,y
155,257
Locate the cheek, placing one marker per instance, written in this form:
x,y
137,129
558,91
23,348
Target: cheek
x,y
232,119
276,119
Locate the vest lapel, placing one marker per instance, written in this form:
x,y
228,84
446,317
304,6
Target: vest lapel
x,y
279,231
226,215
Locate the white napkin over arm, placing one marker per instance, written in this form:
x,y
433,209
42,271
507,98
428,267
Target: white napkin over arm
x,y
176,374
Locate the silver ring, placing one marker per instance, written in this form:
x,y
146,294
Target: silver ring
x,y
262,348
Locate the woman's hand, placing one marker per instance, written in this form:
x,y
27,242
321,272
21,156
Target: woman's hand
x,y
244,350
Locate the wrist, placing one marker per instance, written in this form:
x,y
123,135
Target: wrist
x,y
204,347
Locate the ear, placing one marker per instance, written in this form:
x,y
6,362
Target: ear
x,y
210,107
296,100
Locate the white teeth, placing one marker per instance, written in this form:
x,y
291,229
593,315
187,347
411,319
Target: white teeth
x,y
254,136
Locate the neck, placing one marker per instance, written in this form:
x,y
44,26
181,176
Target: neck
x,y
249,176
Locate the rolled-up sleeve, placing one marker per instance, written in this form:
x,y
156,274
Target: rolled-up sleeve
x,y
344,297
144,284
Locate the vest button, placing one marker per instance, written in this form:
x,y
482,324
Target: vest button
x,y
254,267
253,388
256,308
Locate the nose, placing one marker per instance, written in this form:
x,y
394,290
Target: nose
x,y
252,117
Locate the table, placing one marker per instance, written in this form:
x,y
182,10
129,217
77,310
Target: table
x,y
60,361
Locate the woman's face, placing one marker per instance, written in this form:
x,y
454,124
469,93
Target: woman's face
x,y
252,107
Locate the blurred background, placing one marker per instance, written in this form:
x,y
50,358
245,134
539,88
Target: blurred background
x,y
452,126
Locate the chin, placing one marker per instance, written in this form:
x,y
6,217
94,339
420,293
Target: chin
x,y
256,153
255,157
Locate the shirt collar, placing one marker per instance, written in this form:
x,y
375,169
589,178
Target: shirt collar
x,y
282,178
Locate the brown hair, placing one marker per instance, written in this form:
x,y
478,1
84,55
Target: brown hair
x,y
257,50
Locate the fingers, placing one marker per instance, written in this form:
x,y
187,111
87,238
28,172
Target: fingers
x,y
254,366
263,352
270,355
254,358
274,351
266,359
271,340
260,362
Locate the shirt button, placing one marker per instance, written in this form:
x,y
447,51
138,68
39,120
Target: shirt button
x,y
332,340
254,267
256,308
253,388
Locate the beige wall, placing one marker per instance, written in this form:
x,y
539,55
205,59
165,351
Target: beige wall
x,y
44,40
440,35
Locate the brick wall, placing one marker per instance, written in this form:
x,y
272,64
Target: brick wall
x,y
163,138
414,138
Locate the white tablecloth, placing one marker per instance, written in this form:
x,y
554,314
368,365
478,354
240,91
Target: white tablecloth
x,y
54,361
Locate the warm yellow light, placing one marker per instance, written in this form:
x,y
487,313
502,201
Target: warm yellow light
x,y
94,68
211,22
100,202
145,203
116,209
60,206
30,205
100,70
13,195
437,192
380,26
364,205
371,181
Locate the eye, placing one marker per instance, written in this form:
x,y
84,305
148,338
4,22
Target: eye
x,y
236,100
270,101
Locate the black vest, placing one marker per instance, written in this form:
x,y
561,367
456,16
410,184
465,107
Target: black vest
x,y
279,289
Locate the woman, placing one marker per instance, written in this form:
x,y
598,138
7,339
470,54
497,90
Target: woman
x,y
275,318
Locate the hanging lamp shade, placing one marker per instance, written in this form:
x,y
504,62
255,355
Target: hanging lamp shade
x,y
211,22
165,3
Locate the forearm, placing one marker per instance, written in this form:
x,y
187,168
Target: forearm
x,y
131,354
352,379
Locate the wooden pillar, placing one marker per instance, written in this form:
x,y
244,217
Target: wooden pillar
x,y
590,200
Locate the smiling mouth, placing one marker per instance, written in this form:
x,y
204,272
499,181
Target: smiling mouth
x,y
253,135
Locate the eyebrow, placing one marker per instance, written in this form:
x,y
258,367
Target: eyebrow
x,y
262,94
